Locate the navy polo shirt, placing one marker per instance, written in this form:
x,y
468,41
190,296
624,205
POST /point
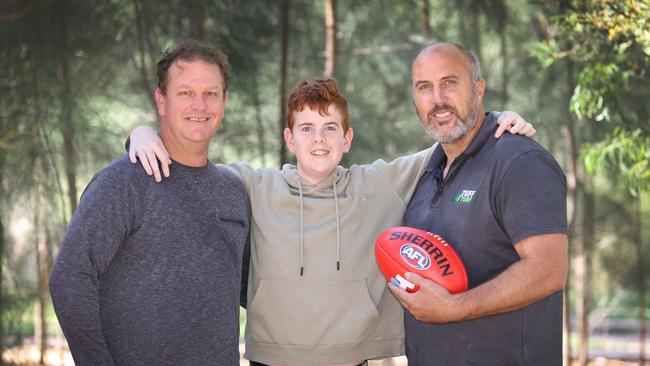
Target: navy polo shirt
x,y
496,193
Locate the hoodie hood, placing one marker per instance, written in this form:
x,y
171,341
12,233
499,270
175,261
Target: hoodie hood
x,y
325,189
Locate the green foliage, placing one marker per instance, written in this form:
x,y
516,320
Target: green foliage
x,y
610,43
627,151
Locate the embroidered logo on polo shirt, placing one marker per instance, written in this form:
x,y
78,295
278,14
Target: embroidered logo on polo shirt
x,y
464,196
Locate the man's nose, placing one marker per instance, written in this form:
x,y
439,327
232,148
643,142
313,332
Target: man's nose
x,y
437,95
200,102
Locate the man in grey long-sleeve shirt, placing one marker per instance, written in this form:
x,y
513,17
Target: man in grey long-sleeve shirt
x,y
149,273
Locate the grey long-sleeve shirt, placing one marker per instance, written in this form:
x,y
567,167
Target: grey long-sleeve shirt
x,y
149,273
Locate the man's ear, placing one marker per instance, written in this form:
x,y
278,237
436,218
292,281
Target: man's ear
x,y
480,88
347,139
160,102
288,139
225,98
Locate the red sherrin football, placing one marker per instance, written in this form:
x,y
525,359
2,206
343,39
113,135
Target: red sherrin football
x,y
405,249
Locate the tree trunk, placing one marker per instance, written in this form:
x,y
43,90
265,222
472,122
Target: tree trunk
x,y
65,120
283,79
426,26
197,18
330,40
470,27
40,328
583,274
142,64
572,197
505,73
257,104
638,239
2,247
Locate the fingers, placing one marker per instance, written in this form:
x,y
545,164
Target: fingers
x,y
144,161
163,156
400,294
530,131
502,128
132,156
153,164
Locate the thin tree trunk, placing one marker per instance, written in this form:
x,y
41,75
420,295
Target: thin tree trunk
x,y
65,120
572,196
2,247
142,65
426,17
257,103
197,18
505,73
583,275
638,239
283,79
40,329
330,40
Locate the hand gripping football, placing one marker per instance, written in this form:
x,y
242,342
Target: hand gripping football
x,y
404,249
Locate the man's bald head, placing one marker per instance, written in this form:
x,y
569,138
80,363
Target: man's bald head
x,y
444,47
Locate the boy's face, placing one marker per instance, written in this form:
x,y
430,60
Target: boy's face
x,y
318,142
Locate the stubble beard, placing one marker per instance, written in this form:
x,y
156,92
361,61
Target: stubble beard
x,y
462,127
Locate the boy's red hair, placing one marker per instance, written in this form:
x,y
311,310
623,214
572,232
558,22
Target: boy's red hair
x,y
317,94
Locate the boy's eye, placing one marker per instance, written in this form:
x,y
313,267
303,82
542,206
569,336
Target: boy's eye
x,y
305,129
330,128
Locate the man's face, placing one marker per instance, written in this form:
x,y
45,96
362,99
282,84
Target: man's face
x,y
318,142
192,108
447,103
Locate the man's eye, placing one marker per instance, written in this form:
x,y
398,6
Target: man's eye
x,y
212,94
185,93
450,82
424,86
305,129
330,128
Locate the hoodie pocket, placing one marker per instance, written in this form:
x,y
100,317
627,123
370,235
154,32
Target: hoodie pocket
x,y
309,313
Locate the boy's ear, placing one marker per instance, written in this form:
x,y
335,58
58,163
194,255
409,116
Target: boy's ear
x,y
288,139
347,139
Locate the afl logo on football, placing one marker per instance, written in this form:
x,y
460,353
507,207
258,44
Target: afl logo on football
x,y
415,256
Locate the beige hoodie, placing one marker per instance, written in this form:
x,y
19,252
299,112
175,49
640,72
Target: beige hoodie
x,y
315,294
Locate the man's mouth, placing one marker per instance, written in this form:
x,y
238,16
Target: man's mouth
x,y
441,114
320,152
197,119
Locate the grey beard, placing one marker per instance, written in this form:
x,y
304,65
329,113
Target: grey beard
x,y
463,127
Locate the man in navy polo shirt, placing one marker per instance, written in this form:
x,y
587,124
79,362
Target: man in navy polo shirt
x,y
501,203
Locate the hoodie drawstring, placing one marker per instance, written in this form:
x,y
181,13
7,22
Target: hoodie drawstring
x,y
338,235
302,230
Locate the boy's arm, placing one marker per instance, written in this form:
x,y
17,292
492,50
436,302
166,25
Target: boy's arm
x,y
404,172
99,226
145,144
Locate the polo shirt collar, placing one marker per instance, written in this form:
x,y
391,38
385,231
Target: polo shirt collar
x,y
482,136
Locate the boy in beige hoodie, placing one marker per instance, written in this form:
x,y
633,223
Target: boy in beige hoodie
x,y
315,294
